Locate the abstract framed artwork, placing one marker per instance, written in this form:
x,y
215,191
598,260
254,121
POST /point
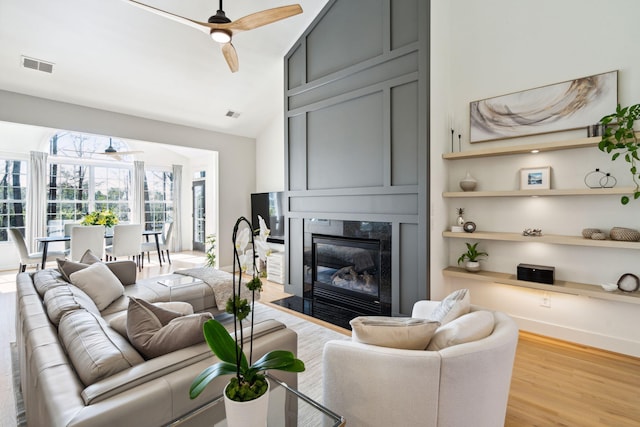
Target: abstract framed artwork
x,y
535,178
562,106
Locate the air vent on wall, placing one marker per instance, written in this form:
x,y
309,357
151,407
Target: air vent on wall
x,y
36,64
233,114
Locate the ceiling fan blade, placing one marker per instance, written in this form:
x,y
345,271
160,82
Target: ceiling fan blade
x,y
231,56
265,17
202,26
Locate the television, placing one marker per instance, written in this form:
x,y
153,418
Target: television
x,y
270,206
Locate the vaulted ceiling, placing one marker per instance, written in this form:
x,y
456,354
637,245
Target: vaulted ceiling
x,y
111,55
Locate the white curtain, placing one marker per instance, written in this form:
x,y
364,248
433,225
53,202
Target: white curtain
x,y
177,208
137,194
36,199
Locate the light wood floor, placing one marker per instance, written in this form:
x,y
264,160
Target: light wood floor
x,y
554,383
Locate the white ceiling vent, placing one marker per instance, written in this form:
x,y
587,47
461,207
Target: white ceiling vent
x,y
36,64
232,114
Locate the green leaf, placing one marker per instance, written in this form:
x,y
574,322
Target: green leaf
x,y
624,200
615,156
636,194
278,359
209,374
222,344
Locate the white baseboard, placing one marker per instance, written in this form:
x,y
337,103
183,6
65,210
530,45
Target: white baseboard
x,y
578,336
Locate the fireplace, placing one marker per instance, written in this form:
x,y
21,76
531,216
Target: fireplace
x,y
348,265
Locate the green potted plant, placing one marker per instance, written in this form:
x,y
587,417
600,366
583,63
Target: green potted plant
x,y
103,217
211,251
472,257
620,138
248,384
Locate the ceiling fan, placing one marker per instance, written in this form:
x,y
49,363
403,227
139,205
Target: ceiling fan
x,y
222,28
112,152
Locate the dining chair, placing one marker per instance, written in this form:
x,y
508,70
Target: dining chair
x,y
164,241
67,232
87,237
127,241
27,258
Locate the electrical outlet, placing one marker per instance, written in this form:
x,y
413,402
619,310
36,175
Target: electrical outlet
x,y
546,300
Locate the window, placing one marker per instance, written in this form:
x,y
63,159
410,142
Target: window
x,y
82,180
158,199
13,194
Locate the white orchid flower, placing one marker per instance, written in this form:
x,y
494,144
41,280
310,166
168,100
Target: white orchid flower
x,y
264,231
242,239
244,261
263,249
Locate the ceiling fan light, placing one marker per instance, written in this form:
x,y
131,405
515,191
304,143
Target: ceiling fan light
x,y
221,36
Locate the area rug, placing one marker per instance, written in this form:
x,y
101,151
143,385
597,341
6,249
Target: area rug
x,y
311,340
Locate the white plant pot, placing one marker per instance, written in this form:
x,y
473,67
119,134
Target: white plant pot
x,y
472,266
247,414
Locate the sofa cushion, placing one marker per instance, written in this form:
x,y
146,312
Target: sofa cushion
x,y
43,280
119,321
466,328
125,271
96,352
60,299
453,306
396,332
88,257
99,283
154,331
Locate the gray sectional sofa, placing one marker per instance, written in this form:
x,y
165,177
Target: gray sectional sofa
x,y
96,377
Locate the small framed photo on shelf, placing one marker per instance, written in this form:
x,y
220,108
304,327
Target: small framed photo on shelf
x,y
535,178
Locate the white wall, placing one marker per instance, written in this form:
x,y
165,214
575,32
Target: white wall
x,y
494,47
236,154
270,156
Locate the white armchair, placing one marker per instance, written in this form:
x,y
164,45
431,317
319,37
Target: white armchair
x,y
459,386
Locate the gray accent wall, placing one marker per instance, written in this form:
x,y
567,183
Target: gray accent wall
x,y
356,111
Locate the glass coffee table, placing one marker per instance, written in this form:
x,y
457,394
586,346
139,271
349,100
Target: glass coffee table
x,y
178,287
310,413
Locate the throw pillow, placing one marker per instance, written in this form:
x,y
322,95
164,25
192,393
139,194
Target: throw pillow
x,y
89,258
466,328
66,268
396,332
119,322
154,331
453,306
99,283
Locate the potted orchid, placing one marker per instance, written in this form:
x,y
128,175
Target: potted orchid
x,y
248,383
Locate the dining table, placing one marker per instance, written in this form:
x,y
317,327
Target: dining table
x,y
44,242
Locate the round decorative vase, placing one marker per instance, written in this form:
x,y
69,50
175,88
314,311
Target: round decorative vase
x,y
468,183
247,414
472,266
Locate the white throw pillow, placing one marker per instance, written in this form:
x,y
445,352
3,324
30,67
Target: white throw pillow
x,y
466,328
453,306
99,283
395,332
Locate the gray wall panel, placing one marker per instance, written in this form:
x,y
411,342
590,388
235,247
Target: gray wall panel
x,y
345,144
409,277
404,22
297,167
294,262
296,68
386,68
402,204
358,133
349,33
404,134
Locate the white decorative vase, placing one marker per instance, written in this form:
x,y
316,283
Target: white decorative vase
x,y
468,183
247,414
472,266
